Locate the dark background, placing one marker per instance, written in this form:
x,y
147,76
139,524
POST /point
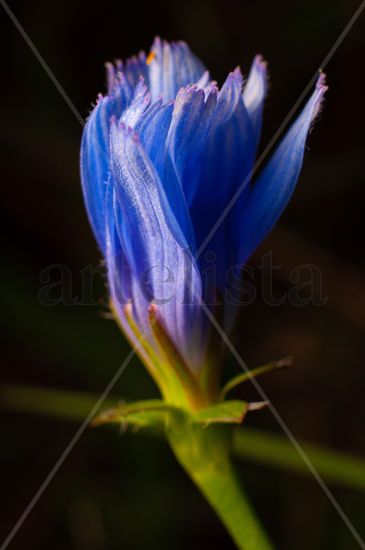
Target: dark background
x,y
127,491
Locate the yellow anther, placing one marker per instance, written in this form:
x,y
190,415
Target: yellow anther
x,y
151,56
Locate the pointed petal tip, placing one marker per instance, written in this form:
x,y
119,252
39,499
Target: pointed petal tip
x,y
260,62
174,65
182,43
134,60
99,99
234,80
257,83
213,88
158,42
276,183
236,75
141,55
320,90
186,93
322,81
204,81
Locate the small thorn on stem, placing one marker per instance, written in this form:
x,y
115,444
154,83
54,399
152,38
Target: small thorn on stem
x,y
284,362
258,405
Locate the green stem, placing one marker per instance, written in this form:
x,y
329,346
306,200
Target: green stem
x,y
261,447
204,454
257,446
222,490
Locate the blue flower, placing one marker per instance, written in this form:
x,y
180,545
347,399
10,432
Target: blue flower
x,y
162,156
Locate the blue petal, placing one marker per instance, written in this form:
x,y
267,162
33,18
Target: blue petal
x,y
132,69
173,65
94,155
226,161
141,100
153,126
151,121
254,94
204,82
123,285
191,120
152,241
121,280
274,187
135,67
94,166
229,97
152,129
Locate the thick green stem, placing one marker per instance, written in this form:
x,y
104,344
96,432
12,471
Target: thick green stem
x,y
203,453
223,492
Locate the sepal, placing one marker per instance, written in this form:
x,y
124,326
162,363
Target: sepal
x,y
158,414
283,363
228,412
152,413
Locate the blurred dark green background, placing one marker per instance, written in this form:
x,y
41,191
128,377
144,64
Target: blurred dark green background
x,y
124,490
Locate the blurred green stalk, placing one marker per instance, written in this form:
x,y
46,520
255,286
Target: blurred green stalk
x,y
254,445
205,456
